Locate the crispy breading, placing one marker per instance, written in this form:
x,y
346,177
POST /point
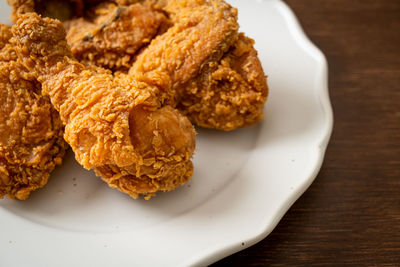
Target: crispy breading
x,y
31,132
201,64
110,35
102,33
213,72
60,9
202,31
114,124
227,94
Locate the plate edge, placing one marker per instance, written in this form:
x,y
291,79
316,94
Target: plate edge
x,y
325,103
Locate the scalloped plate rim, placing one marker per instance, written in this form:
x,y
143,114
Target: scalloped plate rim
x,y
215,254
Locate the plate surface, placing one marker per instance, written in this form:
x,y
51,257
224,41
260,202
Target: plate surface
x,y
243,184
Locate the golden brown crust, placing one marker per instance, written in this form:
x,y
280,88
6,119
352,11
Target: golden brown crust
x,y
202,31
200,64
111,35
114,124
211,72
228,94
60,9
31,132
124,127
20,7
103,33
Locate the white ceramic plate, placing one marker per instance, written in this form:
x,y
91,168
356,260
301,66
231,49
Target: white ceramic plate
x,y
244,180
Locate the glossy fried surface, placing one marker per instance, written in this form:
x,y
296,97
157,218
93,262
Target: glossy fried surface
x,y
31,132
114,123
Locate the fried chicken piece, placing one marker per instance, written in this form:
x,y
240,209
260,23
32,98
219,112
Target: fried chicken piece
x,y
228,94
60,9
214,73
211,73
202,32
102,33
111,35
114,124
31,132
204,67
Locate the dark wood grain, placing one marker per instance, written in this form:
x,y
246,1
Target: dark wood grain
x,y
351,213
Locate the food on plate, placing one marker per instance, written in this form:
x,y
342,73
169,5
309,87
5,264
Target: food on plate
x,y
212,71
115,124
128,76
102,33
59,9
110,35
31,132
230,93
196,56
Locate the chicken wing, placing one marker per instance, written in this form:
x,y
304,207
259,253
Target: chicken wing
x,y
31,132
114,124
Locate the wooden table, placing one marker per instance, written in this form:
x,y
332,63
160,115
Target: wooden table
x,y
351,213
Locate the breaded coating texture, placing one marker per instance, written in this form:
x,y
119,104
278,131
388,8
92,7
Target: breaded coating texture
x,y
31,132
212,73
114,124
201,64
201,32
109,35
228,94
103,33
59,9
